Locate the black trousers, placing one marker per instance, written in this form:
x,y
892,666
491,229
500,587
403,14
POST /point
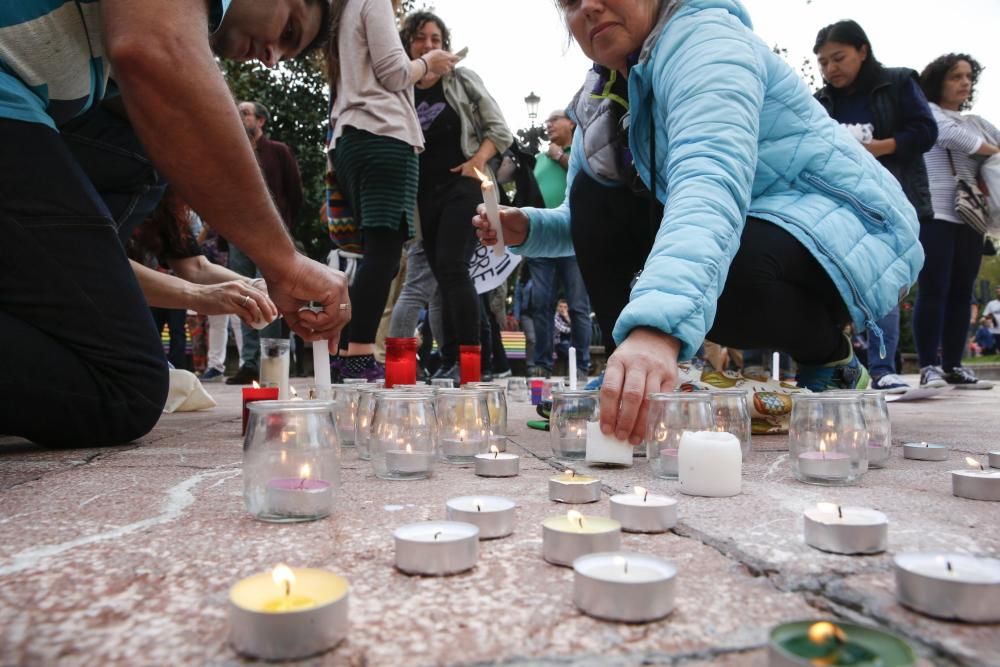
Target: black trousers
x,y
776,295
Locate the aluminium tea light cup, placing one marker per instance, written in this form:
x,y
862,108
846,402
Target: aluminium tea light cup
x,y
574,489
492,514
994,458
846,530
566,538
276,617
624,587
644,512
924,451
809,643
497,464
976,483
436,547
949,586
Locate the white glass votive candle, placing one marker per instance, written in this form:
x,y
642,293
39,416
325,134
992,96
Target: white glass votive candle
x,y
574,489
670,415
710,464
572,411
496,403
497,464
951,586
566,538
288,613
846,530
403,435
624,587
463,423
345,410
828,439
492,514
436,547
923,451
274,365
644,512
976,483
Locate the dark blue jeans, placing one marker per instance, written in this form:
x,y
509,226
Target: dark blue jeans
x,y
544,272
953,253
81,361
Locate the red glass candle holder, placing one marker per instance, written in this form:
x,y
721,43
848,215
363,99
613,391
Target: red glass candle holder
x,y
468,363
251,394
400,361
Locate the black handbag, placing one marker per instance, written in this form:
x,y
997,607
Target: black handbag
x,y
970,202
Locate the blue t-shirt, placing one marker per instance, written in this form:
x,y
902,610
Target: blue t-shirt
x,y
52,63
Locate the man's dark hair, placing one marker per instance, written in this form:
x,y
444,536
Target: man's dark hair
x,y
850,33
260,111
932,78
323,36
415,21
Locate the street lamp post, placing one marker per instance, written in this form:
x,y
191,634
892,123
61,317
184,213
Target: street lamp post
x,y
534,135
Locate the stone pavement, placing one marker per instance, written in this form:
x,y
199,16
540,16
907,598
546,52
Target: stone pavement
x,y
124,556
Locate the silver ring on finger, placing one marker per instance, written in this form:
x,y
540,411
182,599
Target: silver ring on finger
x,y
246,300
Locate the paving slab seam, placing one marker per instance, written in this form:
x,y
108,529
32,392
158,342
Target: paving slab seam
x,y
657,658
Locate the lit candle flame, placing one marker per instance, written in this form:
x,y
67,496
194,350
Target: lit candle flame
x,y
256,385
974,463
822,632
284,456
283,576
409,450
641,492
305,472
461,435
830,508
481,176
570,473
822,447
621,562
495,451
575,517
292,391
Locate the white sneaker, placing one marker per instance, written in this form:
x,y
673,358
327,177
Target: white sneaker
x,y
932,377
890,383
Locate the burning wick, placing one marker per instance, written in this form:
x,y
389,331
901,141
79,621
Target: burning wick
x,y
312,393
571,473
304,472
494,451
640,491
573,515
282,575
974,463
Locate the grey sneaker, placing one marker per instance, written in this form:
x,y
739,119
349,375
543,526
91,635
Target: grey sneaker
x,y
932,377
963,378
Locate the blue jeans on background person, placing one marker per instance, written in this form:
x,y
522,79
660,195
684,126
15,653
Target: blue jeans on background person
x,y
250,356
77,340
544,271
889,325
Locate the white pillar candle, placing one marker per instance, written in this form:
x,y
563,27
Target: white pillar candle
x,y
321,368
709,463
644,512
492,211
289,613
776,366
952,586
572,368
606,448
922,451
492,514
436,547
624,587
846,530
566,538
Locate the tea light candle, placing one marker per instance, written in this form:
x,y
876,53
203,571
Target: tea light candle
x,y
606,448
574,489
825,464
668,461
951,586
976,483
252,394
643,512
300,496
460,448
624,587
407,461
922,451
492,514
497,464
846,530
566,538
709,463
288,613
811,643
994,458
436,547
492,211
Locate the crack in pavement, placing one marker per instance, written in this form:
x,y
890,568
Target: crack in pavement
x,y
646,658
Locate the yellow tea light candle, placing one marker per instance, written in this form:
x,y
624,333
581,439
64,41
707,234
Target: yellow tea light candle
x,y
565,538
288,613
574,489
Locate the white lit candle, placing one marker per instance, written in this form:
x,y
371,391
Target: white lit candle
x,y
923,451
834,465
644,512
436,547
299,497
709,463
492,211
492,514
572,368
952,586
624,587
407,461
497,463
776,366
460,447
574,489
976,483
846,530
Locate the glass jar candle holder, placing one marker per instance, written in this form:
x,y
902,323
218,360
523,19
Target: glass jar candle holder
x,y
517,390
400,361
274,365
732,415
363,418
463,424
879,427
291,460
550,385
345,410
403,438
443,383
496,401
670,415
572,410
827,438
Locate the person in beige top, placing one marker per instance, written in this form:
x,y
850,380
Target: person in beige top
x,y
376,137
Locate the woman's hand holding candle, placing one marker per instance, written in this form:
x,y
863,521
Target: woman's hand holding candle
x,y
513,220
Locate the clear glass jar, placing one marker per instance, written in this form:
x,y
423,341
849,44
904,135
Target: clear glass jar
x,y
404,440
876,412
463,424
291,460
496,400
670,414
517,389
363,418
345,410
732,415
274,365
828,439
550,385
572,410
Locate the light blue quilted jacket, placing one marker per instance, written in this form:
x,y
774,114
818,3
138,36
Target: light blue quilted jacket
x,y
737,134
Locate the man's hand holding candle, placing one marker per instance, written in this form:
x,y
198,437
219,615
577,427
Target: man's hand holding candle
x,y
302,281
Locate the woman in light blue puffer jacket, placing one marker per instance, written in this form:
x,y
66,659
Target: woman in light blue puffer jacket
x,y
770,226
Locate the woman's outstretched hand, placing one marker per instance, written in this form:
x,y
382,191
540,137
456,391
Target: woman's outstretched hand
x,y
513,220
